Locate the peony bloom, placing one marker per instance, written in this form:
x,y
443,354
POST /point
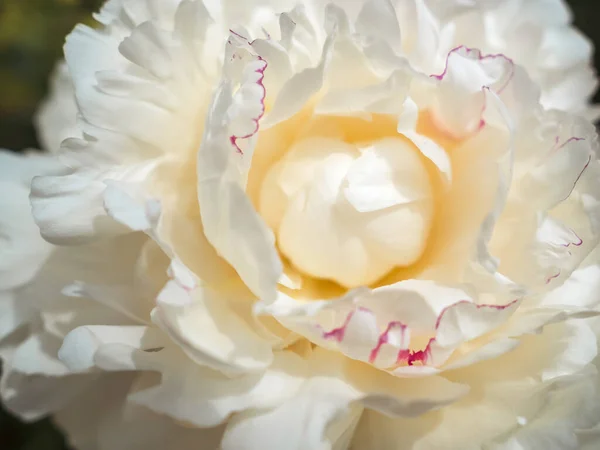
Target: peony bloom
x,y
309,226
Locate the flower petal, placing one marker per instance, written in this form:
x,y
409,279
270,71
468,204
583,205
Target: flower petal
x,y
377,19
298,90
204,398
13,313
81,345
466,73
208,329
231,223
325,399
117,424
22,252
43,387
56,119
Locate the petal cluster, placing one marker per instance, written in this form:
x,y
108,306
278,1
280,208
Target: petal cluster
x,y
368,224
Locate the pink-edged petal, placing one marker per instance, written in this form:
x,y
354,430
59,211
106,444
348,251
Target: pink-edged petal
x,y
231,224
411,328
553,181
578,291
509,389
489,351
465,321
462,82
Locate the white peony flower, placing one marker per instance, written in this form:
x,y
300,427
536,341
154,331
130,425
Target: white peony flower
x,y
310,226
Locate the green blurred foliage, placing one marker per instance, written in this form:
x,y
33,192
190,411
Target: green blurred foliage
x,y
32,34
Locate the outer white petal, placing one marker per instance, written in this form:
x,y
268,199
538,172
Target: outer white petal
x,y
69,208
299,89
33,397
172,229
13,313
57,117
36,355
580,290
508,406
188,392
80,346
324,402
33,381
202,397
115,424
589,439
148,63
140,429
377,18
22,251
537,34
206,326
95,284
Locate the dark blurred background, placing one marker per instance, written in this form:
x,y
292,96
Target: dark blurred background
x,y
31,37
32,33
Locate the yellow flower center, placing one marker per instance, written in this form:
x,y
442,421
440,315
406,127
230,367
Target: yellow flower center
x,y
349,202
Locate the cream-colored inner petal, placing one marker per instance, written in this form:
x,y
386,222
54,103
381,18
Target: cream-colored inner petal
x,y
349,212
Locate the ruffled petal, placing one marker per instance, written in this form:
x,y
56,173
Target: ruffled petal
x,y
204,398
34,382
324,403
13,313
410,328
206,326
56,119
116,424
23,252
231,223
507,407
